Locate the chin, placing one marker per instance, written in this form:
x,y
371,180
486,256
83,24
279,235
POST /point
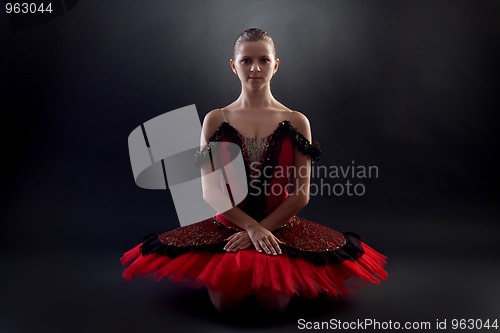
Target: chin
x,y
257,85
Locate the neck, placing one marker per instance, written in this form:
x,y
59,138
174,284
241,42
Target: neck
x,y
256,99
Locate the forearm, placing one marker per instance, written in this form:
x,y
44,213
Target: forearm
x,y
220,201
286,210
240,218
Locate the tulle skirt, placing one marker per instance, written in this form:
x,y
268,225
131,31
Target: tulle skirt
x,y
315,260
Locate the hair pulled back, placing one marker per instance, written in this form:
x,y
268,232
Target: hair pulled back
x,y
254,35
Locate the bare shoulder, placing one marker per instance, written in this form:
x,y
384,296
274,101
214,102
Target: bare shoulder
x,y
215,116
301,123
211,122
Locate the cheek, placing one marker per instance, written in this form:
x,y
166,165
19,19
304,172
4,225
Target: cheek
x,y
240,67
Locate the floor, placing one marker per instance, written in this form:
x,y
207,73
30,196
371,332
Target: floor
x,y
82,291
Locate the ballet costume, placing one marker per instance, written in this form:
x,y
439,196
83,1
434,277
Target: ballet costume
x,y
315,259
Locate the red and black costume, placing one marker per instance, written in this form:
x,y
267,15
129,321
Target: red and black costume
x,y
315,259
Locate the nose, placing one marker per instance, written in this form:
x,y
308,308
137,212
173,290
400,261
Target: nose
x,y
254,67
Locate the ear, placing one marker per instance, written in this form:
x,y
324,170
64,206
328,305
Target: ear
x,y
233,68
276,65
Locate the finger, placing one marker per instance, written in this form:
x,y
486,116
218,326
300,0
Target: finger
x,y
266,247
244,246
234,237
231,237
276,247
257,247
233,244
229,245
271,247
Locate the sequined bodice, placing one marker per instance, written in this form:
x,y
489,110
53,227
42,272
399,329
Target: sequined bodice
x,y
255,148
253,151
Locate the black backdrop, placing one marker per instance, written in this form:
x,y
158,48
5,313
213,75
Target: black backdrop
x,y
408,86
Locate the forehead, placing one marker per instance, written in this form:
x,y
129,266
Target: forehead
x,y
254,49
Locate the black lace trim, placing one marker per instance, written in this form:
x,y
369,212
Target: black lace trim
x,y
303,145
220,134
352,250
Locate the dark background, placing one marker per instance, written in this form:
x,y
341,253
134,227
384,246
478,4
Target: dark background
x,y
408,86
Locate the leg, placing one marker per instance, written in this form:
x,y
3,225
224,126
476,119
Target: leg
x,y
272,302
223,302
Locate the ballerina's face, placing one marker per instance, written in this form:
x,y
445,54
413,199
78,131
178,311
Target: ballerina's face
x,y
254,63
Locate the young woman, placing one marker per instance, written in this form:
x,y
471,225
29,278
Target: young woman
x,y
259,247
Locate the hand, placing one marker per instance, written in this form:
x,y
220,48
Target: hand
x,y
264,240
238,241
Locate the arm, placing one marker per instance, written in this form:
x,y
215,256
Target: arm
x,y
299,197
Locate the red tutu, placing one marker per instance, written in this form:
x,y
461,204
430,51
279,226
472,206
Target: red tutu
x,y
298,271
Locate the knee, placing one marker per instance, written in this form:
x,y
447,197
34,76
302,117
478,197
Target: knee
x,y
224,303
271,302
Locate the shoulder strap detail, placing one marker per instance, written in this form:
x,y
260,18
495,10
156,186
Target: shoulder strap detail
x,y
223,115
223,133
302,143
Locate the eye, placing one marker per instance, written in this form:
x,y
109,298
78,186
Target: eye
x,y
245,61
265,60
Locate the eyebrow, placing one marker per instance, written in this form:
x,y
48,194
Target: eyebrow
x,y
265,56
